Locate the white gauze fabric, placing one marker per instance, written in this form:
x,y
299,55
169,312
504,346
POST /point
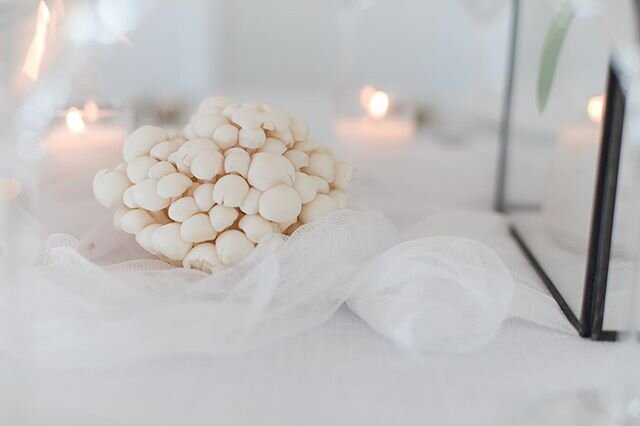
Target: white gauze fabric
x,y
428,294
435,294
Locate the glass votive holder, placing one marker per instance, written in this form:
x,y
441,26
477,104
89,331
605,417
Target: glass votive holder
x,y
374,119
84,137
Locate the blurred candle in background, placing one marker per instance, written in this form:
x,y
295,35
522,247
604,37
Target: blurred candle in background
x,y
83,141
375,127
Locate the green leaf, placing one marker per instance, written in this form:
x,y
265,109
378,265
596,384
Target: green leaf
x,y
551,51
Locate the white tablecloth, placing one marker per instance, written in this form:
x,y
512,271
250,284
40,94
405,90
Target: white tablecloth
x,y
340,373
343,372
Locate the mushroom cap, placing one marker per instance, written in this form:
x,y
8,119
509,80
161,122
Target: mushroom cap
x,y
146,196
306,187
256,227
207,164
203,257
233,246
226,136
283,135
299,159
143,238
268,169
273,145
161,169
162,150
230,190
173,185
251,138
109,186
203,196
167,241
280,204
206,123
247,117
138,168
142,140
321,165
229,109
193,147
135,220
128,198
250,203
237,160
197,229
320,206
183,208
222,217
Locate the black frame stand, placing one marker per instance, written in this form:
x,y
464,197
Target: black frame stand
x,y
590,321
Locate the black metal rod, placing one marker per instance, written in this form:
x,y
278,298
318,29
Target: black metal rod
x,y
505,124
636,8
548,283
604,200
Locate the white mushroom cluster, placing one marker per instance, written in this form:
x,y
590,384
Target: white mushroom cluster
x,y
204,198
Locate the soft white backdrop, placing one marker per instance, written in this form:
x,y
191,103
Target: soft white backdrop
x,y
440,53
449,55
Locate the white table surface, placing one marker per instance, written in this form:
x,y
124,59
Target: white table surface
x,y
340,373
343,372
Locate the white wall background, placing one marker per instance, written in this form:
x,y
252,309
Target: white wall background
x,y
435,52
431,50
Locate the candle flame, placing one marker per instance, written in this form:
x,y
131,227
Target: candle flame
x,y
74,120
33,60
595,108
378,105
10,189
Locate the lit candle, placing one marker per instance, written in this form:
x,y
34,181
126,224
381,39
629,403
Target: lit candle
x,y
82,143
375,127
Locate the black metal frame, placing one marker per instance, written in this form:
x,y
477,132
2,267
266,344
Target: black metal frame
x,y
589,323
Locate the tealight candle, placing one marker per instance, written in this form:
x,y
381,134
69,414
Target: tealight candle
x,y
375,128
85,141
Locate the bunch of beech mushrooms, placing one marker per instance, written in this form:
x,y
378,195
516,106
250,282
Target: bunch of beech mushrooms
x,y
205,197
